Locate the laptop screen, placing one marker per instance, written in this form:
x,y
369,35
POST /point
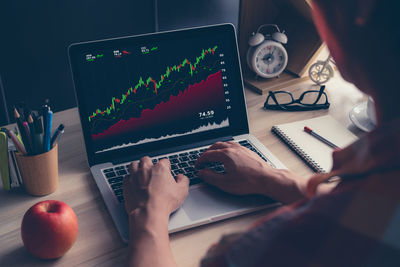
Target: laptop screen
x,y
149,92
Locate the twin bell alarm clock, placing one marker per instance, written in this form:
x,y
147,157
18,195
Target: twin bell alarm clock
x,y
266,56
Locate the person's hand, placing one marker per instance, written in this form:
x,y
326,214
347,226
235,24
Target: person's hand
x,y
153,186
246,173
151,195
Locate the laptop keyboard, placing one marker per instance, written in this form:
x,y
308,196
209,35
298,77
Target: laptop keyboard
x,y
181,163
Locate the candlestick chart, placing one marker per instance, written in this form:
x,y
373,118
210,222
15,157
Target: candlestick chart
x,y
164,105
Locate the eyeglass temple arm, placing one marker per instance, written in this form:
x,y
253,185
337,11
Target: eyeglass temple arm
x,y
321,91
272,95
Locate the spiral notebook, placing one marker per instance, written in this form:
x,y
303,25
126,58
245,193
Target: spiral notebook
x,y
315,153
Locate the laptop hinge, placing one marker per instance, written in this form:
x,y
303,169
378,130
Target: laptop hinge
x,y
174,149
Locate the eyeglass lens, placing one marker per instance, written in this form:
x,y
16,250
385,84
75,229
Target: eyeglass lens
x,y
309,98
282,98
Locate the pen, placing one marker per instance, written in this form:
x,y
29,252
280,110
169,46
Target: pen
x,y
22,131
32,131
31,124
45,108
308,130
57,134
47,130
28,134
16,142
20,109
38,132
26,110
37,120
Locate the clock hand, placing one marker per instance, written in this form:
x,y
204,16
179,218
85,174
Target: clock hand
x,y
267,58
266,61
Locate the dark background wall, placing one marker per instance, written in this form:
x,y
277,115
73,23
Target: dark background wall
x,y
177,14
35,36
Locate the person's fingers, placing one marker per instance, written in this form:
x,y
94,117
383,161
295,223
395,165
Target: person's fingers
x,y
220,145
145,162
212,156
165,163
133,167
182,180
143,174
211,177
231,143
126,191
125,180
125,184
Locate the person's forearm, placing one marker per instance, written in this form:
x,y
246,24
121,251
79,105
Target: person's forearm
x,y
289,187
149,240
283,185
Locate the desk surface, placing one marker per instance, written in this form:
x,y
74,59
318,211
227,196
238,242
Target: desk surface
x,y
98,241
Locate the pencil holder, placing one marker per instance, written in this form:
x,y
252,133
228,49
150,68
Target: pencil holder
x,y
39,172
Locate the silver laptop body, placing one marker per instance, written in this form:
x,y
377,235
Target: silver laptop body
x,y
169,94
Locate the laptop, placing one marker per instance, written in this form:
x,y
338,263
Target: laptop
x,y
164,95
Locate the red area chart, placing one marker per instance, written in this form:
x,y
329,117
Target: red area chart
x,y
206,95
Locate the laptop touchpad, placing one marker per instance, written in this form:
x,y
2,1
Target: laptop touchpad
x,y
206,201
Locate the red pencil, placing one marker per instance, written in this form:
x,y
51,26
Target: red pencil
x,y
308,130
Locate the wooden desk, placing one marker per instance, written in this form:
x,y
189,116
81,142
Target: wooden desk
x,y
98,241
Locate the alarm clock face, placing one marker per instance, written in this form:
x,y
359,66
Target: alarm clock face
x,y
269,59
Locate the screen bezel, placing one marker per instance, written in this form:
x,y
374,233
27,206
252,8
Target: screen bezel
x,y
238,116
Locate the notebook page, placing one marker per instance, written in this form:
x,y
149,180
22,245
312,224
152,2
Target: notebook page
x,y
327,127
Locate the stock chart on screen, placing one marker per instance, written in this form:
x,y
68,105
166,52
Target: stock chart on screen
x,y
155,91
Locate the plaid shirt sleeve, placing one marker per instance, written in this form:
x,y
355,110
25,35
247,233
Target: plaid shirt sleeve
x,y
357,224
313,233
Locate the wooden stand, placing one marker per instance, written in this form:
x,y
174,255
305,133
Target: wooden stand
x,y
304,43
40,172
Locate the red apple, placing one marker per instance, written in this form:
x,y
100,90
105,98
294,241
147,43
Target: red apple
x,y
49,229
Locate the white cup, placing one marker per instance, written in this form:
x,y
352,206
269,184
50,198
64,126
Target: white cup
x,y
371,110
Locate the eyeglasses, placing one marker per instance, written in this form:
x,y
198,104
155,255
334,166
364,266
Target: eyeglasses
x,y
309,100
